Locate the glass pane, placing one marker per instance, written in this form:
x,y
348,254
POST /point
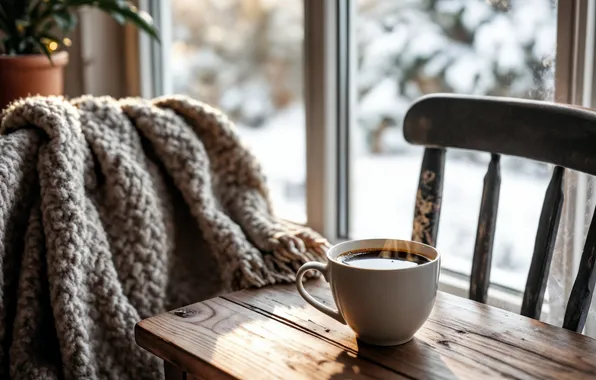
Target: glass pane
x,y
245,57
406,49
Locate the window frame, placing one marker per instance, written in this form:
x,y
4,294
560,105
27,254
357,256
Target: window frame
x,y
154,68
329,97
574,84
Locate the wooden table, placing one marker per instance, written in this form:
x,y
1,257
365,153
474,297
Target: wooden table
x,y
272,333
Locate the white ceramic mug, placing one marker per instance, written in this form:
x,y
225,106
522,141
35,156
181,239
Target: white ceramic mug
x,y
385,307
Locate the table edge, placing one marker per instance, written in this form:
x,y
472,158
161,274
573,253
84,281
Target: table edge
x,y
176,355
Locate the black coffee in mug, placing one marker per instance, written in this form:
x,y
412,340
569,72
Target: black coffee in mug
x,y
374,258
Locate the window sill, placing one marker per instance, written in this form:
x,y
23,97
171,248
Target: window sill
x,y
502,298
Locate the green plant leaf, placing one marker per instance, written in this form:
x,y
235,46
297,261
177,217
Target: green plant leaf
x,y
22,24
5,23
3,26
131,14
35,8
3,15
22,46
11,8
65,20
44,49
21,7
118,17
10,50
51,8
50,37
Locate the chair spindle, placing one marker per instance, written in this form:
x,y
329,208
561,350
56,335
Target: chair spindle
x,y
485,233
428,197
544,246
583,287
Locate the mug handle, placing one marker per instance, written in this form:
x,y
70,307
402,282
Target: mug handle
x,y
308,298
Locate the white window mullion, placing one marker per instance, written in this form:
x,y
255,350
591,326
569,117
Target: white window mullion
x,y
320,96
165,45
154,65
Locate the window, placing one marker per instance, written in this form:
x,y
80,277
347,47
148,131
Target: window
x,y
245,57
406,49
333,151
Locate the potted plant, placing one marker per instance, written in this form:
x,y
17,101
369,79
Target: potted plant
x,y
33,35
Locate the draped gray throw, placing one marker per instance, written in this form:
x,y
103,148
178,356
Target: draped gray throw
x,y
115,210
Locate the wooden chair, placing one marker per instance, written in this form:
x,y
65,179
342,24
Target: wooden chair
x,y
554,133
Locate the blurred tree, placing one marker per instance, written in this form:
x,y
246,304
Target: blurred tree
x,y
244,56
498,47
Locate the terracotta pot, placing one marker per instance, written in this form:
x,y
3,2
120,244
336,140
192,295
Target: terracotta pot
x,y
24,75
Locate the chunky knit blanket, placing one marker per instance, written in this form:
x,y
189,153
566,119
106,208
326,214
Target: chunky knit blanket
x,y
114,210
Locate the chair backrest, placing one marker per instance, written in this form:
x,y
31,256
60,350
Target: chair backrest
x,y
553,133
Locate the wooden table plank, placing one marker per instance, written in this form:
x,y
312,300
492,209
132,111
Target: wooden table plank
x,y
237,342
272,332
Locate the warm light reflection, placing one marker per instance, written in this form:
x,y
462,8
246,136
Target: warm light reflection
x,y
281,350
458,369
67,42
53,45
